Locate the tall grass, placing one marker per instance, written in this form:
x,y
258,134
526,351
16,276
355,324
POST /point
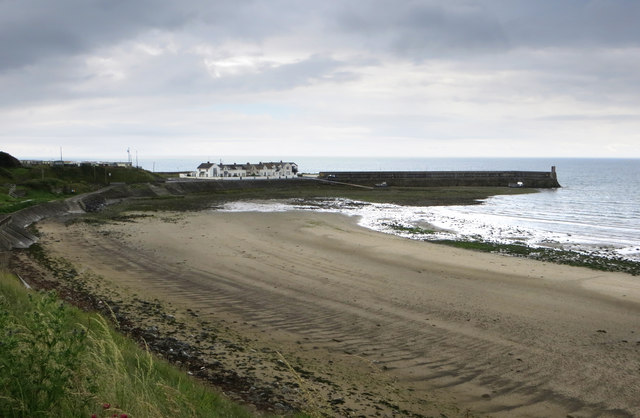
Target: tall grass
x,y
58,361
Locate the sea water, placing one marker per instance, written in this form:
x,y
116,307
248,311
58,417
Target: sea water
x,y
597,209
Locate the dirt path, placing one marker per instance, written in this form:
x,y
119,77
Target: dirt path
x,y
395,326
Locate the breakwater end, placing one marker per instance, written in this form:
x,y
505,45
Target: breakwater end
x,y
530,179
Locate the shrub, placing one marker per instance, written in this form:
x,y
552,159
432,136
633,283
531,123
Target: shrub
x,y
39,357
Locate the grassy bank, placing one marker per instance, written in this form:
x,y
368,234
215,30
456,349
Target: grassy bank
x,y
58,361
21,187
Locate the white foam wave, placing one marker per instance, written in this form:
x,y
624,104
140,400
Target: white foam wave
x,y
465,222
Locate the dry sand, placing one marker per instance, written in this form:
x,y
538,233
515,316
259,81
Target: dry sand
x,y
381,316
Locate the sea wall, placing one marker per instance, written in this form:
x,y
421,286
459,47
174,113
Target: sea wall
x,y
14,231
534,179
13,228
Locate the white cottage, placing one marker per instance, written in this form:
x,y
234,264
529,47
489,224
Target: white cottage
x,y
233,170
206,170
274,169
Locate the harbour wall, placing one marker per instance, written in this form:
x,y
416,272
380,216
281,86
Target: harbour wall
x,y
14,232
532,179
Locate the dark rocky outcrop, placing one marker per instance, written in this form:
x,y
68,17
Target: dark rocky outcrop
x,y
9,161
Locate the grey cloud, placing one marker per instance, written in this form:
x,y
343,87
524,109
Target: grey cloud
x,y
431,29
420,29
501,52
572,23
314,69
168,75
35,83
583,117
33,30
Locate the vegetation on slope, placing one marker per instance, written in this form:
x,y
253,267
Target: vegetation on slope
x,y
21,186
58,361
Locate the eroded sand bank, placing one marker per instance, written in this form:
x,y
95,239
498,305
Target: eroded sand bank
x,y
499,335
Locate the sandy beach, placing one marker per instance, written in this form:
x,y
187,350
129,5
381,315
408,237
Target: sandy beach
x,y
422,327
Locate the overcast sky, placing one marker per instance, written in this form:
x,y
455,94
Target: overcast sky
x,y
481,78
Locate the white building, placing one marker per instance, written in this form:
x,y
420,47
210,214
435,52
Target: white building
x,y
271,169
267,170
232,170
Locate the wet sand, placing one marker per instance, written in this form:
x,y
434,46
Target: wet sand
x,y
427,326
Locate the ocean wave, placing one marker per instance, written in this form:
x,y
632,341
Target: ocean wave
x,y
466,223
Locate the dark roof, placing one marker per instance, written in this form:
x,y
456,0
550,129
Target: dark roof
x,y
272,164
235,166
248,166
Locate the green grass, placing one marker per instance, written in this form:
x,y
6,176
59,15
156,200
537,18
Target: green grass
x,y
32,197
58,361
82,174
36,185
